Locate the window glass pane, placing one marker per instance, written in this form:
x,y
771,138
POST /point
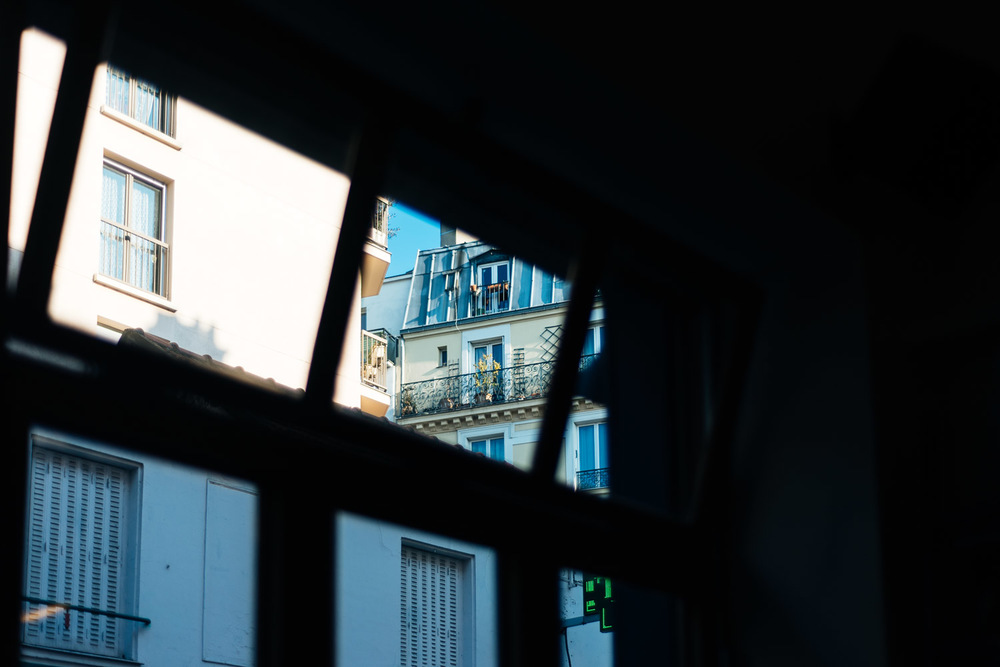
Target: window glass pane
x,y
113,196
587,457
407,597
588,343
147,104
145,209
118,84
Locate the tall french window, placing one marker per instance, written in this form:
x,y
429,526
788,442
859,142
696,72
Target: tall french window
x,y
133,249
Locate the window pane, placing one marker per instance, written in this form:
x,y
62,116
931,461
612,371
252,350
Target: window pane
x,y
113,196
587,460
496,449
588,343
145,210
502,319
118,85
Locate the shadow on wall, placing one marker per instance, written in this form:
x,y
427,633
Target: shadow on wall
x,y
196,338
193,344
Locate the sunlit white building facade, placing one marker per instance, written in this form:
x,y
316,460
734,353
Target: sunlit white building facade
x,y
196,238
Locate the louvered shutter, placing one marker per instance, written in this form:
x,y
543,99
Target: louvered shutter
x,y
431,614
76,552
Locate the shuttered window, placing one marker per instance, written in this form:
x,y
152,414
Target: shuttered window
x,y
431,614
76,553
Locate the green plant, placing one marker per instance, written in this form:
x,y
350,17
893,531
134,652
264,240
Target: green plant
x,y
487,377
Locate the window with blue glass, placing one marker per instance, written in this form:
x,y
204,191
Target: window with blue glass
x,y
133,248
140,100
592,443
593,343
491,447
492,293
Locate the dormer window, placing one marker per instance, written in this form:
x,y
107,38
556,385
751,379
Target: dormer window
x,y
492,293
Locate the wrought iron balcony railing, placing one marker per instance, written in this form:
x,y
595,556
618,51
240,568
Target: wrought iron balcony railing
x,y
489,299
458,392
592,479
132,257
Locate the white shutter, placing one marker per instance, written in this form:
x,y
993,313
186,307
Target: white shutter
x,y
75,552
430,609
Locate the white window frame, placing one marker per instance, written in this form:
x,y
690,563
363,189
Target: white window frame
x,y
576,420
481,288
506,431
492,265
165,125
127,231
51,633
416,578
594,327
473,338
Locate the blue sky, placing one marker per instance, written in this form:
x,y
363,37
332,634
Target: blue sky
x,y
415,232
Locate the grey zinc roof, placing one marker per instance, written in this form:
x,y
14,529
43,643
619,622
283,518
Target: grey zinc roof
x,y
442,278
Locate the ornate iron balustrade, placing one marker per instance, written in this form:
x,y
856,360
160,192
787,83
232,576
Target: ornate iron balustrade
x,y
592,479
458,392
490,299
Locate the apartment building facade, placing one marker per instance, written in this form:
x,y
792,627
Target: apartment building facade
x,y
191,237
479,331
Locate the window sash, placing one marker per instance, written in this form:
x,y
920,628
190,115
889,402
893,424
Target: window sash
x,y
140,100
593,446
132,249
491,447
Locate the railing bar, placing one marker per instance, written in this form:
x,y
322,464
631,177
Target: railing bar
x,y
89,610
131,231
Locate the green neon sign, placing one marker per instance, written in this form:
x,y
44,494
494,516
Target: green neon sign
x,y
599,599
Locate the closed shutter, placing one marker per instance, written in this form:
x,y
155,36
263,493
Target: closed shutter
x,y
430,609
76,552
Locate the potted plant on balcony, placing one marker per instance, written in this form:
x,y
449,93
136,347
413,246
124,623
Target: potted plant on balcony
x,y
407,404
487,379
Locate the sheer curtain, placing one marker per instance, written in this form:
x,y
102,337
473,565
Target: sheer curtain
x,y
112,251
143,254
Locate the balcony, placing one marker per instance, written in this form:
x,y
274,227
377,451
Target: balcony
x,y
374,355
459,392
588,480
375,261
374,374
489,299
378,233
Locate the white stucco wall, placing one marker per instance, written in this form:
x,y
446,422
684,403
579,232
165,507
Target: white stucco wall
x,y
251,226
368,596
385,311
